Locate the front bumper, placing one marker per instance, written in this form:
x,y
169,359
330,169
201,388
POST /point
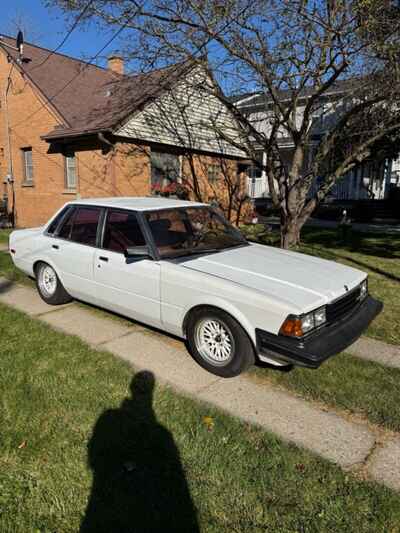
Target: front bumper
x,y
330,340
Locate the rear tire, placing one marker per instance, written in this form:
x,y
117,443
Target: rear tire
x,y
218,342
49,286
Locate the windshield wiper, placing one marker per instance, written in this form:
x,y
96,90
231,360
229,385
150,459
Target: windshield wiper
x,y
199,251
196,251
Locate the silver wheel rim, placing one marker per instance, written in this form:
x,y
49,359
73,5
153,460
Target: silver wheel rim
x,y
47,281
214,341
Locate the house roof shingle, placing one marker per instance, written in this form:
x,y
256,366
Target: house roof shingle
x,y
89,98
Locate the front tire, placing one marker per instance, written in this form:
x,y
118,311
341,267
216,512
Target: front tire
x,y
218,342
49,286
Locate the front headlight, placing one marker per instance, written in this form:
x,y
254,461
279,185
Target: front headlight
x,y
297,326
320,316
307,322
363,289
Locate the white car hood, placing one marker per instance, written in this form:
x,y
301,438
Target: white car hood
x,y
302,280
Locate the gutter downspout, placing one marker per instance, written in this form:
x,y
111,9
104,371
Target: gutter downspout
x,y
10,176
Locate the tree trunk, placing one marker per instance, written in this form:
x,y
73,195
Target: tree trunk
x,y
290,231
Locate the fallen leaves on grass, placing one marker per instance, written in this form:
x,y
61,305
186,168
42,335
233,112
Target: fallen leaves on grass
x,y
209,422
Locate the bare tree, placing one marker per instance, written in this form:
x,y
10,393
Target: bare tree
x,y
307,60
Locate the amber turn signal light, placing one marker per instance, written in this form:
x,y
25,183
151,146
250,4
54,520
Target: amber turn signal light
x,y
292,328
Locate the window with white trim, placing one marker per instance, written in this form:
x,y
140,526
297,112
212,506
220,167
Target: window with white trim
x,y
70,171
213,173
27,162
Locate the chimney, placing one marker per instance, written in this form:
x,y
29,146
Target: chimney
x,y
116,63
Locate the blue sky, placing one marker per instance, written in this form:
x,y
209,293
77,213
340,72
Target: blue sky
x,y
48,28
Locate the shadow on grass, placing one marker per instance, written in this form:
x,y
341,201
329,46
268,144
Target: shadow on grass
x,y
138,479
384,246
379,271
5,285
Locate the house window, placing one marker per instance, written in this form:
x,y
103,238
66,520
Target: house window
x,y
27,165
70,171
165,173
254,171
213,172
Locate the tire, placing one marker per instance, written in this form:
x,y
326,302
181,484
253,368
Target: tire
x,y
229,351
49,286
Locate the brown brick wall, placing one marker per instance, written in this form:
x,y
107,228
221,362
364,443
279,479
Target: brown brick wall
x,y
218,183
99,174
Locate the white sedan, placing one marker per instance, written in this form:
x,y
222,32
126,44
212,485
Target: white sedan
x,y
181,267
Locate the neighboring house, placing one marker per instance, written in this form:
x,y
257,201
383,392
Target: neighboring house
x,y
369,180
69,129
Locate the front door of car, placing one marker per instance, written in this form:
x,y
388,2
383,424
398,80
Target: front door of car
x,y
72,251
127,286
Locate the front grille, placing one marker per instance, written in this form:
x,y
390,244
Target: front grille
x,y
336,310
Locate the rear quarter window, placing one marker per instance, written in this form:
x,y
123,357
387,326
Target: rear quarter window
x,y
51,229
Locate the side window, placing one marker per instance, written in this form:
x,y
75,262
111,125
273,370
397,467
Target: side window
x,y
66,228
122,231
169,228
53,225
84,226
80,225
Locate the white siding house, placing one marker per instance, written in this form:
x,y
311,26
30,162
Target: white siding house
x,y
188,116
361,183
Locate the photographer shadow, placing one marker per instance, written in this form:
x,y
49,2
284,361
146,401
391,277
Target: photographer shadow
x,y
138,481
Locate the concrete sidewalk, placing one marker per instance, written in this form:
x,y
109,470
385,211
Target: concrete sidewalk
x,y
352,445
376,351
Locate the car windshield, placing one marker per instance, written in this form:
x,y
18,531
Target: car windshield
x,y
192,230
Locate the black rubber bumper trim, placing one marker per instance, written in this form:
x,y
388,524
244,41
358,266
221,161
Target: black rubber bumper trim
x,y
324,343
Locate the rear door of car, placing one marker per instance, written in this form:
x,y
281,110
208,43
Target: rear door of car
x,y
72,250
127,286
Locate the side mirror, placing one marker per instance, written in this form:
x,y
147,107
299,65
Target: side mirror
x,y
137,252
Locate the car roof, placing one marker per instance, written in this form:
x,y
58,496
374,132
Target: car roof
x,y
137,203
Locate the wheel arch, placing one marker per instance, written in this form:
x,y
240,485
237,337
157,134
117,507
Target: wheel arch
x,y
46,261
229,310
36,264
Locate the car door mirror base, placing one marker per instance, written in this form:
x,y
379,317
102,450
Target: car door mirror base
x,y
137,252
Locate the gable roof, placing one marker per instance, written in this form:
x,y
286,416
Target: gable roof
x,y
87,97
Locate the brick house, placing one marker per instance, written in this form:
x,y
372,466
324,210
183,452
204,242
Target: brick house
x,y
69,129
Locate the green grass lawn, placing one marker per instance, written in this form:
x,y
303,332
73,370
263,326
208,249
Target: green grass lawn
x,y
8,270
86,441
4,233
378,255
